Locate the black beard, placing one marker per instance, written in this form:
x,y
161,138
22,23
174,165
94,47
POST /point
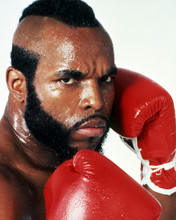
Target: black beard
x,y
49,131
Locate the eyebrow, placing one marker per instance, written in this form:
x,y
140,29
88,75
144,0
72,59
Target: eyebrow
x,y
77,74
112,71
70,73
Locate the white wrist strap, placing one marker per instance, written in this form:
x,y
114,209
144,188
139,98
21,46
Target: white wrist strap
x,y
149,169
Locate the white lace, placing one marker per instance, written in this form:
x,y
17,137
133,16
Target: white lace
x,y
149,169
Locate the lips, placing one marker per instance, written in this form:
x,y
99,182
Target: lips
x,y
94,123
92,128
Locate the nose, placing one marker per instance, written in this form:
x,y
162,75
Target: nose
x,y
91,95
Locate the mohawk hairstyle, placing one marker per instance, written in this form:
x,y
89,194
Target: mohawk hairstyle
x,y
75,13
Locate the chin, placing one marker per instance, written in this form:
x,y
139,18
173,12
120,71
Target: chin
x,y
79,147
90,143
94,147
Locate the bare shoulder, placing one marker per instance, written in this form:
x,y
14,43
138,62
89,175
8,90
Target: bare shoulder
x,y
168,204
16,195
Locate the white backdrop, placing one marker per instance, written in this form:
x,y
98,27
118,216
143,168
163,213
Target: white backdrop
x,y
144,38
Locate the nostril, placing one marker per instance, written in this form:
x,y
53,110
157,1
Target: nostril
x,y
91,102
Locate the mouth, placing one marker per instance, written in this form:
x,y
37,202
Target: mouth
x,y
91,128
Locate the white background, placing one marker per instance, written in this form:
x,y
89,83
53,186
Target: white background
x,y
144,37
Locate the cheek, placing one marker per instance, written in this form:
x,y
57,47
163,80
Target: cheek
x,y
108,97
61,105
48,93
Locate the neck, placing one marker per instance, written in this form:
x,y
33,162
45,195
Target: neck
x,y
35,153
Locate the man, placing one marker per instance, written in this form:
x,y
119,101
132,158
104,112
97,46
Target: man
x,y
50,61
61,96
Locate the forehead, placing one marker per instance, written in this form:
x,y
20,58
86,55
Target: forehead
x,y
61,45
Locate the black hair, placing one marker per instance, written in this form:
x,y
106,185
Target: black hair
x,y
74,13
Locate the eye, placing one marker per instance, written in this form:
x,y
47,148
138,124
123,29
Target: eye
x,y
107,79
68,81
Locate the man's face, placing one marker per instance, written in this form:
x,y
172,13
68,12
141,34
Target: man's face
x,y
74,84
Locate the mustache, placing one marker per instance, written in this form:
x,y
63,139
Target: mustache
x,y
91,117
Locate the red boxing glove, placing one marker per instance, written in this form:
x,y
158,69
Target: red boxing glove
x,y
144,112
90,186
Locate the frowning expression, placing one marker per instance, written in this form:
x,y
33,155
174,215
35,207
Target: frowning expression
x,y
74,79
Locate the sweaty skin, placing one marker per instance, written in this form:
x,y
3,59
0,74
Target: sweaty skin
x,y
26,163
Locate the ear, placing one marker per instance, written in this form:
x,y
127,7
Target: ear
x,y
16,83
